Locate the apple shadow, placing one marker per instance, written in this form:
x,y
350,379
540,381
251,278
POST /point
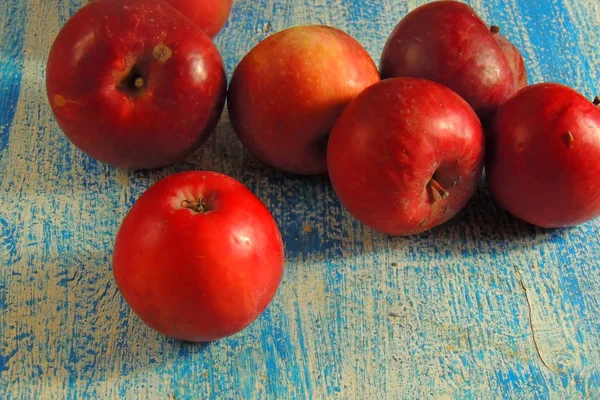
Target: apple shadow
x,y
329,232
223,153
315,225
482,226
493,223
64,320
53,166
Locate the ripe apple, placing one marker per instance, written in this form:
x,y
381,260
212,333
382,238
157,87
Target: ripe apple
x,y
406,155
543,164
198,257
208,15
287,93
447,42
135,84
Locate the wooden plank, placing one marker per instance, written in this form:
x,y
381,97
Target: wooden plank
x,y
482,307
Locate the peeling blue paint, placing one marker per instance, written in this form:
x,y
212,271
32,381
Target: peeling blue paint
x,y
359,315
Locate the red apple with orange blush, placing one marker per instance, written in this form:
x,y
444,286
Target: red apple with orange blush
x,y
287,93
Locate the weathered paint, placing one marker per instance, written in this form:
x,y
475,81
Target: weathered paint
x,y
359,315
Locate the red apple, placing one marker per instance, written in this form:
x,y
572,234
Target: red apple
x,y
287,93
447,42
208,15
544,159
198,257
406,155
135,84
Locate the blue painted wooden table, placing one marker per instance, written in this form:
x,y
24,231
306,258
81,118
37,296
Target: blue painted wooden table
x,y
482,307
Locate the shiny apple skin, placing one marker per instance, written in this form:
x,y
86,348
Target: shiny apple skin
x,y
447,42
287,93
388,145
208,15
198,275
544,156
91,74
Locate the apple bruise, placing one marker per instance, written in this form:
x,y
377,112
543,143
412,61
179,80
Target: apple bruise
x,y
59,101
162,53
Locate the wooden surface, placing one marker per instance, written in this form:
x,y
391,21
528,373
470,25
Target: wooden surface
x,y
359,315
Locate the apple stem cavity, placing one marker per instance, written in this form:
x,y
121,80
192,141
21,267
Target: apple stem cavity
x,y
134,81
597,101
199,206
494,29
439,188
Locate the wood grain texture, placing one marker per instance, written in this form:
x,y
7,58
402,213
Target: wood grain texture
x,y
359,315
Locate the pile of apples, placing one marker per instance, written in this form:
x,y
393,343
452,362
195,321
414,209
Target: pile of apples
x,y
139,84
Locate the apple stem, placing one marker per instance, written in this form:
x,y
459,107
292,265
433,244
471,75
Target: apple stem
x,y
197,206
494,29
597,101
440,189
139,82
569,139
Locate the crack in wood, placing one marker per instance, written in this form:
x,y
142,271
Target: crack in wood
x,y
529,314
